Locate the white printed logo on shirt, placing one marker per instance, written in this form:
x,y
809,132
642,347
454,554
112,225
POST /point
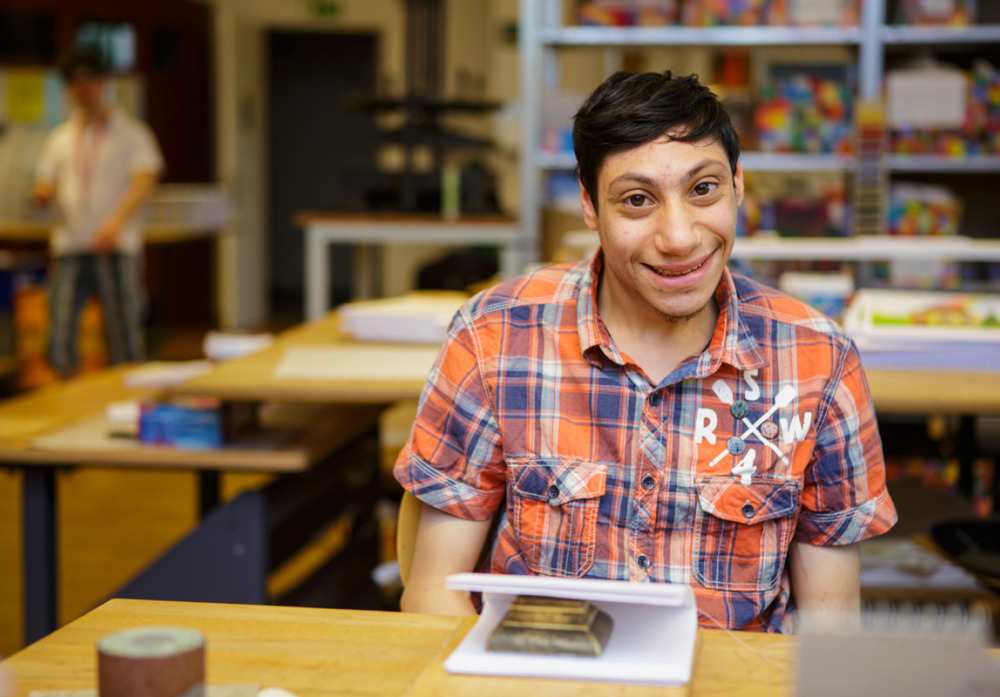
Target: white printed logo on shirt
x,y
791,429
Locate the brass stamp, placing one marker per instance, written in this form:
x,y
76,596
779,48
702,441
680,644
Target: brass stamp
x,y
552,626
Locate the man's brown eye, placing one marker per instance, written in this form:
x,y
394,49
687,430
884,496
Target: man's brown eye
x,y
703,188
636,199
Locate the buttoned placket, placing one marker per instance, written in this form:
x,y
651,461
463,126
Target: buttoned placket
x,y
651,455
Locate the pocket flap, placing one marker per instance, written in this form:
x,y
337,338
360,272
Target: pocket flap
x,y
558,481
763,499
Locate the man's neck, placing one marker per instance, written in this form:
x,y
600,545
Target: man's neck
x,y
91,116
657,344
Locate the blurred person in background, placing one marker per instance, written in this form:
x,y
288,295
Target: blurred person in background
x,y
98,168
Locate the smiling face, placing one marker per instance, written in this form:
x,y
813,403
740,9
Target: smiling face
x,y
666,215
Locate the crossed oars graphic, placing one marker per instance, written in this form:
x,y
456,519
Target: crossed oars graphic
x,y
745,467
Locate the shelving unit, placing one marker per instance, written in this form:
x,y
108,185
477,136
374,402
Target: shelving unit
x,y
544,35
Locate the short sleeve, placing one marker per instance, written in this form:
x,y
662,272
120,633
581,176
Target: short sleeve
x,y
47,167
146,154
453,459
844,498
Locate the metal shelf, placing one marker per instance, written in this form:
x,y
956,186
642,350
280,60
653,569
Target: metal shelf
x,y
973,164
875,248
543,37
699,36
902,34
795,162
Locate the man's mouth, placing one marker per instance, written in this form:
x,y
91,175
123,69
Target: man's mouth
x,y
670,273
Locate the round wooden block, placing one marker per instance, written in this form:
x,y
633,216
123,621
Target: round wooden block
x,y
151,662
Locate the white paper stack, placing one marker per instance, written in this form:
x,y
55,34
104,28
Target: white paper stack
x,y
224,346
926,329
416,318
165,373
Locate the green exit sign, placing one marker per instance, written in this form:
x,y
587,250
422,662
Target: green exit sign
x,y
323,8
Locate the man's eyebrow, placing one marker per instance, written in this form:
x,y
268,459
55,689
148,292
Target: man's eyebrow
x,y
702,165
695,171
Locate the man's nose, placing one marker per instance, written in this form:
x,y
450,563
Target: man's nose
x,y
676,233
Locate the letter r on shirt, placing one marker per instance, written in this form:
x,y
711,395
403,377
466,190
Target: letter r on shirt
x,y
704,427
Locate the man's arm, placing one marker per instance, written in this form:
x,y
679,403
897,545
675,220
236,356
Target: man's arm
x,y
826,581
43,191
135,196
445,545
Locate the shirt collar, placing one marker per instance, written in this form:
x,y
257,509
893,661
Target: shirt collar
x,y
733,342
592,331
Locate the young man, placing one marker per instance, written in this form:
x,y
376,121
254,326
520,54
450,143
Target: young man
x,y
99,167
647,415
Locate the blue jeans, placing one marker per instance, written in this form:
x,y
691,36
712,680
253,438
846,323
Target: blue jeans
x,y
114,279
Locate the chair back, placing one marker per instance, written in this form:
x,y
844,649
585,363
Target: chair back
x,y
406,532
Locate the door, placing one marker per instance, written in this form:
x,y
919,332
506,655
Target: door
x,y
321,150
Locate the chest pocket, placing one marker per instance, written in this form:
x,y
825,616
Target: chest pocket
x,y
742,532
553,505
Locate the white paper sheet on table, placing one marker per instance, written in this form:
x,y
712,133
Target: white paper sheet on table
x,y
652,642
421,317
356,362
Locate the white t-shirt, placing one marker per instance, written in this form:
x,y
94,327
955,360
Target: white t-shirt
x,y
92,167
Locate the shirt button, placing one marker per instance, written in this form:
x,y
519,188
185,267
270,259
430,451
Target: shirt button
x,y
769,430
654,399
648,482
739,409
643,561
747,510
553,492
736,445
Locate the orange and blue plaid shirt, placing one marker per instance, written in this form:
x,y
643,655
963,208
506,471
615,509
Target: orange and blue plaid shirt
x,y
765,438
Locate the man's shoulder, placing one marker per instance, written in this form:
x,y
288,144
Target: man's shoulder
x,y
759,300
127,123
62,131
546,286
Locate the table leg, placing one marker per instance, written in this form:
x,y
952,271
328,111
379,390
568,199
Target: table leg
x,y
38,513
967,451
318,281
209,491
366,277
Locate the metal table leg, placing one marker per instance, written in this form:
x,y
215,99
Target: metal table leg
x,y
38,501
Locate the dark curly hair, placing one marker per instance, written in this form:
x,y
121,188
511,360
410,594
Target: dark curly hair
x,y
629,109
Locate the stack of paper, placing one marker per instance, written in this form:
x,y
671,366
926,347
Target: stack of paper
x,y
224,346
926,329
417,318
165,373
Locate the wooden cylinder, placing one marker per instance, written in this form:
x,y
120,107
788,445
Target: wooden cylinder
x,y
151,662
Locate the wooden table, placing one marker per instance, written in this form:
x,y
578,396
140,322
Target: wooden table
x,y
53,427
972,392
253,378
322,653
366,229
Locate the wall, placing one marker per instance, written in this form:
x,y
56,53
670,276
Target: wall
x,y
473,30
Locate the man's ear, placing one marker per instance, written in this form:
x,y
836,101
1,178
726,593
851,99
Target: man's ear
x,y
589,210
738,183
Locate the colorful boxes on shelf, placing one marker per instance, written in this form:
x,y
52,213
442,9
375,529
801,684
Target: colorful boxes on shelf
x,y
979,132
804,113
716,13
923,209
957,13
627,13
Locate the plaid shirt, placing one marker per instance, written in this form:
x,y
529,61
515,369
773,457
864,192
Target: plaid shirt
x,y
765,438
